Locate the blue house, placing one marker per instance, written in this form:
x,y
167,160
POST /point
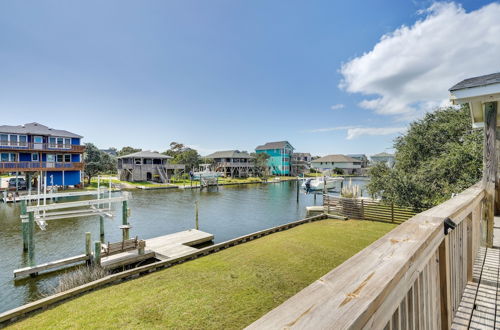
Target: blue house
x,y
35,148
280,156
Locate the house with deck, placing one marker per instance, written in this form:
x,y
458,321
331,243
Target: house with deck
x,y
34,149
232,163
280,156
347,164
146,166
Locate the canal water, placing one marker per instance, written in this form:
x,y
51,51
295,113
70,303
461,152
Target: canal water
x,y
226,212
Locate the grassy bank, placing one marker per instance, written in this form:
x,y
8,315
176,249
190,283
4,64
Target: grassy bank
x,y
228,289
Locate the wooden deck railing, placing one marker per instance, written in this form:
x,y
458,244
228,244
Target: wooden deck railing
x,y
367,209
31,146
413,277
39,166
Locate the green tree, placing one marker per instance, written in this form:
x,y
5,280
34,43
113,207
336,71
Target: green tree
x,y
97,161
127,151
261,167
183,155
439,155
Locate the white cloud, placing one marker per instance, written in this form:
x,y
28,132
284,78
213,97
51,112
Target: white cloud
x,y
353,133
409,71
357,131
337,106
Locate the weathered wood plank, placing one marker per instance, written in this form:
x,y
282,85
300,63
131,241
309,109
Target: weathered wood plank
x,y
49,265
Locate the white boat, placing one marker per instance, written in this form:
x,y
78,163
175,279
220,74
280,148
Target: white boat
x,y
206,173
318,183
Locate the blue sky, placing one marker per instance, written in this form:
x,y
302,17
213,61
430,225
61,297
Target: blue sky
x,y
230,74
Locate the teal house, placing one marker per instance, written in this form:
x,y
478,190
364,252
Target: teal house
x,y
280,156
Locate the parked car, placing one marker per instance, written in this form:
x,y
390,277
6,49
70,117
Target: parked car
x,y
21,183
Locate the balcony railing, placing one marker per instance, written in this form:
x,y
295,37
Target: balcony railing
x,y
150,167
234,164
40,166
33,146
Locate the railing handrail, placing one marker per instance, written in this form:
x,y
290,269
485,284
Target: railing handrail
x,y
12,145
40,165
366,289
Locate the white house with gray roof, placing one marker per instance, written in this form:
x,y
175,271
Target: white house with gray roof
x,y
347,164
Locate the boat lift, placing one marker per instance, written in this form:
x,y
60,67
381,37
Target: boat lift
x,y
43,212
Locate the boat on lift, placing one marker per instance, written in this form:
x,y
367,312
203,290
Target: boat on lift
x,y
318,183
205,173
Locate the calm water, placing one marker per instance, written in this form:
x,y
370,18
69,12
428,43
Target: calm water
x,y
228,212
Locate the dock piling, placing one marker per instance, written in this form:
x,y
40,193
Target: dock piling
x,y
196,208
25,226
88,247
298,186
125,213
97,253
31,241
101,228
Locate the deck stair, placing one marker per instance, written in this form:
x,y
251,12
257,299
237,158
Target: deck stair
x,y
163,175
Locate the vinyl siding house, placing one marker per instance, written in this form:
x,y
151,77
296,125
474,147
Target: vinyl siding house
x,y
232,163
347,164
280,156
301,163
383,157
146,166
34,148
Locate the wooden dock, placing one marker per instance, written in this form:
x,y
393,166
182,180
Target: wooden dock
x,y
163,248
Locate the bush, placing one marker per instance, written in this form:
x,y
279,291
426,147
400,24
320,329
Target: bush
x,y
80,276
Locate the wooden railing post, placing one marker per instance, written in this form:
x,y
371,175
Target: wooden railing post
x,y
444,284
490,166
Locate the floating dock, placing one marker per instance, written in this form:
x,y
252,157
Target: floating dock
x,y
162,248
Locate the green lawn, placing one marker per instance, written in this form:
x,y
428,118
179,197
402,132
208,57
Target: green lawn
x,y
226,290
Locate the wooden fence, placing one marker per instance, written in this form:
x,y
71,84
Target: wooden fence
x,y
411,278
367,209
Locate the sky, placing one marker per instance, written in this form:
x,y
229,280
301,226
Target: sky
x,y
330,77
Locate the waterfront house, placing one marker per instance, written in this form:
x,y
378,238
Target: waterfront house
x,y
362,158
280,155
146,166
34,148
232,163
383,157
347,164
301,163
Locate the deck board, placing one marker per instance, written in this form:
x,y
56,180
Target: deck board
x,y
162,247
479,305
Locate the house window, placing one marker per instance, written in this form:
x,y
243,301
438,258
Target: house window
x,y
67,158
67,143
148,161
23,140
8,157
4,139
13,140
59,158
52,142
35,157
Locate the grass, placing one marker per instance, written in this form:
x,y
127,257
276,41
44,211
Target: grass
x,y
226,290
